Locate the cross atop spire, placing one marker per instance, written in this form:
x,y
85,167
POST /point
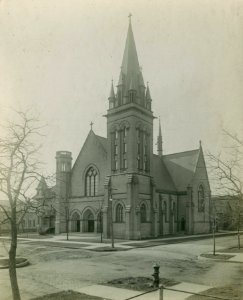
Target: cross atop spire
x,y
91,125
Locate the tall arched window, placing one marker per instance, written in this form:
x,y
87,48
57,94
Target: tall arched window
x,y
123,148
201,198
119,213
143,213
165,211
174,211
91,182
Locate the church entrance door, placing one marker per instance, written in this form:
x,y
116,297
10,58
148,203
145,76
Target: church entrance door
x,y
78,225
75,222
88,221
90,225
183,224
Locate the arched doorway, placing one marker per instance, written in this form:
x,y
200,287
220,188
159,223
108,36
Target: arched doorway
x,y
88,221
75,222
183,224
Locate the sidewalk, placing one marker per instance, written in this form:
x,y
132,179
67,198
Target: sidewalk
x,y
113,293
92,241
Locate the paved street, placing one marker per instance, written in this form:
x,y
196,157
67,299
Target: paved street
x,y
55,267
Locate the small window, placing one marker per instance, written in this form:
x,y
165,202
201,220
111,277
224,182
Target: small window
x,y
119,213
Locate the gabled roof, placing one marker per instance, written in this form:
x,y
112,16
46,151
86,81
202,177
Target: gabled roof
x,y
161,175
182,167
103,141
43,191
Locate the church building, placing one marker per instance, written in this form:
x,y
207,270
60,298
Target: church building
x,y
117,183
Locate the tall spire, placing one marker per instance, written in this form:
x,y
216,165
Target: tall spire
x,y
160,141
130,64
131,78
112,93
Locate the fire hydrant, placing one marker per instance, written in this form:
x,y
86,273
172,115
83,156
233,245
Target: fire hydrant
x,y
156,275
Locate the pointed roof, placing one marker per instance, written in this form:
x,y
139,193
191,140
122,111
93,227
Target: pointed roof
x,y
160,141
130,66
42,184
130,62
112,93
160,132
148,97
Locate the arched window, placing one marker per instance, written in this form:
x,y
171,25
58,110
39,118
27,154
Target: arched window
x,y
165,211
124,148
201,198
91,182
119,213
174,211
143,213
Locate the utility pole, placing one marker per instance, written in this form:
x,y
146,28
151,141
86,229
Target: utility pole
x,y
67,220
111,215
101,226
112,233
214,225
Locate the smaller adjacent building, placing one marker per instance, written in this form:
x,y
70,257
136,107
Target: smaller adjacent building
x,y
29,222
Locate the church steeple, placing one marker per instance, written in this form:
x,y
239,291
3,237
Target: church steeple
x,y
160,141
130,64
129,117
131,77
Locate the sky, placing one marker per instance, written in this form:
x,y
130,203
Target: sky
x,y
58,57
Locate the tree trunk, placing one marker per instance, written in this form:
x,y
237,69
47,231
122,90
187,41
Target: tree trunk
x,y
12,262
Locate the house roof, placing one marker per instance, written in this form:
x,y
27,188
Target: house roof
x,y
182,167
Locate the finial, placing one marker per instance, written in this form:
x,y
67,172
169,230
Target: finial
x,y
200,143
91,125
130,16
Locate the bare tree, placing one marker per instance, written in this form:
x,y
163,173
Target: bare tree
x,y
18,172
227,168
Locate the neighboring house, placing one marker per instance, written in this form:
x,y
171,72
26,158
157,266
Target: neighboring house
x,y
228,212
28,224
119,179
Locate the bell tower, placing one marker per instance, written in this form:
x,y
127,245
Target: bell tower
x,y
130,148
129,117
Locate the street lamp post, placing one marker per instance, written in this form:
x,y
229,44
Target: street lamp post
x,y
112,233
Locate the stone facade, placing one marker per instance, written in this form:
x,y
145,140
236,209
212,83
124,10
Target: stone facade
x,y
118,183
